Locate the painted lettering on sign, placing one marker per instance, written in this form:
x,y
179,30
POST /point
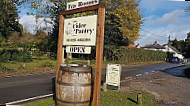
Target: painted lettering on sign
x,y
80,31
78,49
113,74
78,28
81,3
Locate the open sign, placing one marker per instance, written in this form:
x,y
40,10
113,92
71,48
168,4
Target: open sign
x,y
78,49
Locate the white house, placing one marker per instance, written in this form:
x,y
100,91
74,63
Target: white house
x,y
173,50
164,48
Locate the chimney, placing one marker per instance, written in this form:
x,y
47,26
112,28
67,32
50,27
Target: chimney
x,y
155,43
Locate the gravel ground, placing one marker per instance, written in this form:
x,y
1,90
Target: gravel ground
x,y
168,90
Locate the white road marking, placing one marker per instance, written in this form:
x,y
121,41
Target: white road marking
x,y
138,75
24,100
153,71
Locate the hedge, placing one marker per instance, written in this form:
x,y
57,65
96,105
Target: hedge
x,y
187,72
130,55
14,55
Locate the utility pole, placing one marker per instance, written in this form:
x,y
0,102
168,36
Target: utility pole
x,y
168,53
168,39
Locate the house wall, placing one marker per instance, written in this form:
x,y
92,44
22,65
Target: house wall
x,y
180,56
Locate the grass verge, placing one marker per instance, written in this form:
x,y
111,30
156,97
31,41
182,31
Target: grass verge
x,y
40,65
110,98
35,66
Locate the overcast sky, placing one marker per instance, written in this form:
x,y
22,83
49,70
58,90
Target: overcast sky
x,y
161,19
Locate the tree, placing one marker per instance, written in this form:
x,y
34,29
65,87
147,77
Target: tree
x,y
9,18
122,24
182,46
47,9
41,40
179,45
121,27
126,17
187,45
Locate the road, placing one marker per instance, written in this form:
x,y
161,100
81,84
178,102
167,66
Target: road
x,y
15,88
23,87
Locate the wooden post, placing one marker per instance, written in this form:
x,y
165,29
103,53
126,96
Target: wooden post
x,y
60,45
99,56
139,99
99,45
105,87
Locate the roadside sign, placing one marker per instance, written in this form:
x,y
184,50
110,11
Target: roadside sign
x,y
81,3
78,49
80,31
113,76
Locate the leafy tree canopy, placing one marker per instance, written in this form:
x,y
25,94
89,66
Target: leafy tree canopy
x,y
9,18
183,45
122,24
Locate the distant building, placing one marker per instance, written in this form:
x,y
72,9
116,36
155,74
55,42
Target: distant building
x,y
174,51
135,46
164,48
155,47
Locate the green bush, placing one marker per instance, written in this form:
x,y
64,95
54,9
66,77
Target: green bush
x,y
130,55
4,56
14,55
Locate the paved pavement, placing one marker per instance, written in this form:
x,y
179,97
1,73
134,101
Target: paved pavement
x,y
179,71
22,87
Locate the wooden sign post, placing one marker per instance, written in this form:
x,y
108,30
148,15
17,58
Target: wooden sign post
x,y
99,45
99,56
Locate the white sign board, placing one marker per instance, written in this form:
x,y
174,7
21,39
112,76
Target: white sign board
x,y
78,49
80,31
81,3
113,75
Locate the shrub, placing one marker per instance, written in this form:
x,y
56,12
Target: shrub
x,y
14,55
4,56
130,55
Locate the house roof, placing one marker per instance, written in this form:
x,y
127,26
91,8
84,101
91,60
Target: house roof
x,y
173,48
154,46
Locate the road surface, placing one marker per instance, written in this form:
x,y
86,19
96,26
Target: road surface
x,y
15,88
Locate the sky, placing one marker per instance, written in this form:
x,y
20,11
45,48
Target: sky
x,y
161,19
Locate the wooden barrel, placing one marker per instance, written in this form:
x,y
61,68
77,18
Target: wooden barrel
x,y
73,86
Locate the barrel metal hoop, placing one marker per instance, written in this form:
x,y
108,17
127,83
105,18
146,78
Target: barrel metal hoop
x,y
75,71
72,102
72,84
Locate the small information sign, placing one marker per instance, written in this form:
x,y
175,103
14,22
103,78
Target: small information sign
x,y
81,3
80,31
78,49
113,76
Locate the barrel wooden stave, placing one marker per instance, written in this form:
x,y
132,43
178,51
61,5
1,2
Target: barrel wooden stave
x,y
73,87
